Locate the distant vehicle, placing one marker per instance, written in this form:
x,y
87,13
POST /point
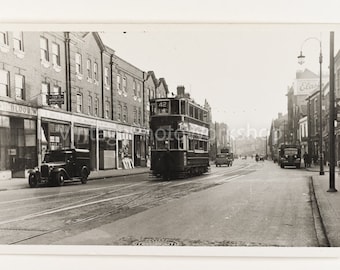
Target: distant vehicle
x,y
290,155
61,165
224,159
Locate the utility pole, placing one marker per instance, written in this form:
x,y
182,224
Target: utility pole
x,y
331,117
215,139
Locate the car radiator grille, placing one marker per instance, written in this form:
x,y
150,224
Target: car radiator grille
x,y
44,170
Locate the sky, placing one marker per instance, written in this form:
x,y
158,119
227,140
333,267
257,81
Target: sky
x,y
243,70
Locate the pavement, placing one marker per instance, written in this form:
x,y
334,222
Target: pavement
x,y
328,202
20,183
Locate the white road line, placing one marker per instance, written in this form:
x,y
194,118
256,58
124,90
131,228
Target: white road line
x,y
39,214
69,192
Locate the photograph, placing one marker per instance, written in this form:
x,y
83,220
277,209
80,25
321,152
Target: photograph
x,y
170,136
150,140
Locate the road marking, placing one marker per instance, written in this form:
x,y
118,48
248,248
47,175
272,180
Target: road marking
x,y
44,213
69,192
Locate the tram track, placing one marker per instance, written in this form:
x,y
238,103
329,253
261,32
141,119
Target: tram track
x,y
141,200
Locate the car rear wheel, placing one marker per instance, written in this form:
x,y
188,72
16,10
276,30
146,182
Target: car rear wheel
x,y
59,179
32,180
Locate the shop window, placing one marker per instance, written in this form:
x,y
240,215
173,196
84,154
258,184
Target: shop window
x,y
79,102
82,137
19,86
4,83
4,142
55,54
59,136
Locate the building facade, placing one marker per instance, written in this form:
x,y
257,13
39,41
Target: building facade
x,y
67,89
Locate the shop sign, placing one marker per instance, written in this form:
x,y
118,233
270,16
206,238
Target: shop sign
x,y
17,108
55,99
12,152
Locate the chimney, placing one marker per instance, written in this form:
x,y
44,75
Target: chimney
x,y
280,115
180,91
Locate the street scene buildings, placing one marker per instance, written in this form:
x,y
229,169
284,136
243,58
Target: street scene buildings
x,y
163,163
301,126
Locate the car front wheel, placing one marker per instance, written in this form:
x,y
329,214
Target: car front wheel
x,y
59,179
32,180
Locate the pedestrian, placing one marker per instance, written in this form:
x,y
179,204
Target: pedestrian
x,y
305,159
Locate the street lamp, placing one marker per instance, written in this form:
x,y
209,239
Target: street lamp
x,y
301,59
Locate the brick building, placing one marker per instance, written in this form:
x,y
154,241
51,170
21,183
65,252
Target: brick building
x,y
66,89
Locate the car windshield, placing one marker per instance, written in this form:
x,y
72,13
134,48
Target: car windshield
x,y
55,157
291,151
221,155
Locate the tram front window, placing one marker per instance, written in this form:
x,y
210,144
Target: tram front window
x,y
174,106
163,107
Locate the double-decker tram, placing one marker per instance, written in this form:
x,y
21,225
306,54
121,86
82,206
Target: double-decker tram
x,y
180,132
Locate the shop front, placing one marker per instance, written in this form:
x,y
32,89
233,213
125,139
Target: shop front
x,y
125,150
140,147
18,141
112,145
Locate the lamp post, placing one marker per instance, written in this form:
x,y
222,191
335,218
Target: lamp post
x,y
301,59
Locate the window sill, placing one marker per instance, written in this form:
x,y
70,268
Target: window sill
x,y
120,92
4,48
45,63
79,76
89,79
107,87
56,67
19,54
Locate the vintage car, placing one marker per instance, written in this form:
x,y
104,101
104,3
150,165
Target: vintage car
x,y
61,165
224,159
